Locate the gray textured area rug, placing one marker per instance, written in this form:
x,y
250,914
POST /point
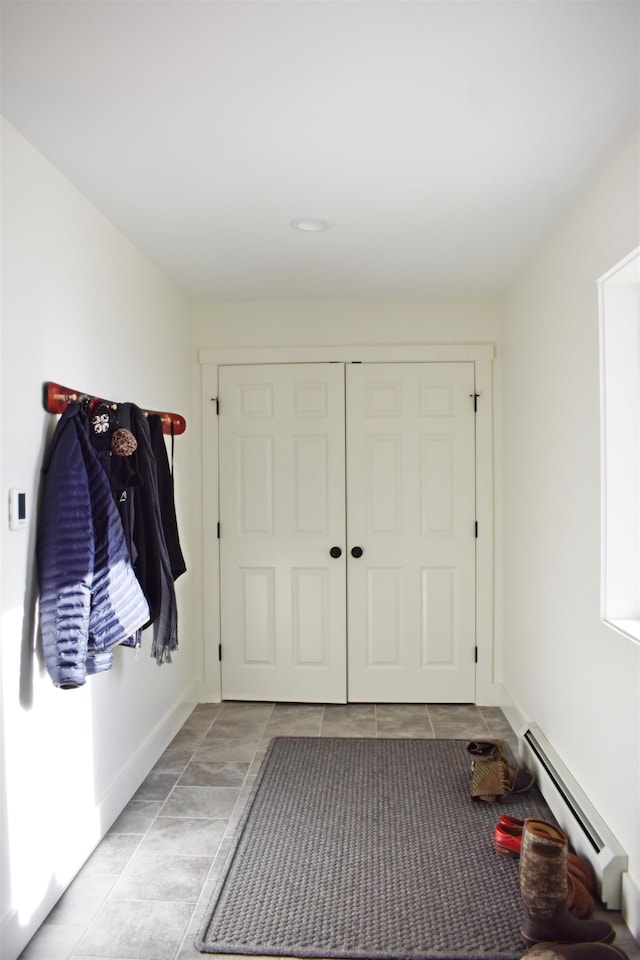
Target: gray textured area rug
x,y
373,849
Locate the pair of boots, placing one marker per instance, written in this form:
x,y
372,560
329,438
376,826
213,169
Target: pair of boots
x,y
547,922
492,777
507,840
554,932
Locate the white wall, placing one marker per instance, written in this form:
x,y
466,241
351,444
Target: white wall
x,y
82,307
294,323
563,668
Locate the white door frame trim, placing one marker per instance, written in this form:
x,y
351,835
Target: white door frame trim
x,y
481,354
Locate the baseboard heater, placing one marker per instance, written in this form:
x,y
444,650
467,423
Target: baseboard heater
x,y
587,832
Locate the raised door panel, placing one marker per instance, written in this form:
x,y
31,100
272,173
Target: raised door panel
x,y
254,471
258,615
439,603
382,485
384,617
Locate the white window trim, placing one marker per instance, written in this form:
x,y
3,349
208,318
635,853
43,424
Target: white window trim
x,y
619,599
628,628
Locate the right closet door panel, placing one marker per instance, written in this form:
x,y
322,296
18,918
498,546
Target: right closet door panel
x,y
410,478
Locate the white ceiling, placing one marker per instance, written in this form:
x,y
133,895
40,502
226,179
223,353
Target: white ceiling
x,y
444,138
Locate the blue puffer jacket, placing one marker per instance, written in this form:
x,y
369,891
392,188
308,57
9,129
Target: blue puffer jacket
x,y
90,599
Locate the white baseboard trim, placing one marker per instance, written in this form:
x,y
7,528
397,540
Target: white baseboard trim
x,y
631,904
10,943
630,894
129,778
588,832
515,717
16,934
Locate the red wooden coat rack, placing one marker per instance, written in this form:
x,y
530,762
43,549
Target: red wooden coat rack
x,y
57,398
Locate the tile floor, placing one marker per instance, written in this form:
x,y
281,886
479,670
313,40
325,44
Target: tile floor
x,y
143,892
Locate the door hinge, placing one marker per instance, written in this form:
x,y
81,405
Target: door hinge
x,y
216,400
218,529
219,651
476,530
476,654
475,401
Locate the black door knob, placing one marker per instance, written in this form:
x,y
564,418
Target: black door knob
x,y
356,552
335,552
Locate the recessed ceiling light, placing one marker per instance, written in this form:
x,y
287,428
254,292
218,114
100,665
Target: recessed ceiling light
x,y
310,225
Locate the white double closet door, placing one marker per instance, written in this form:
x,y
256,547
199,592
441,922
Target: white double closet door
x,y
347,543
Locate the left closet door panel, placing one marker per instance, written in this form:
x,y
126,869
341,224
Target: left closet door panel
x,y
282,510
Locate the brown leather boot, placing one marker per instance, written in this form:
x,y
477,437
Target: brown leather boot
x,y
507,840
544,890
574,951
492,776
579,901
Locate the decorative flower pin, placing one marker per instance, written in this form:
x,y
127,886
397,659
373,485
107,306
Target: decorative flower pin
x,y
100,423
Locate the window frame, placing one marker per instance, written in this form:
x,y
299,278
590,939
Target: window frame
x,y
619,310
